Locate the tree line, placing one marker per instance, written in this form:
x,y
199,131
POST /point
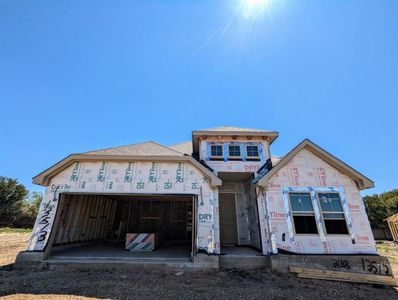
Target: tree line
x,y
18,206
381,206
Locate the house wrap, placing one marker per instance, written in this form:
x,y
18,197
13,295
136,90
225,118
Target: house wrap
x,y
221,189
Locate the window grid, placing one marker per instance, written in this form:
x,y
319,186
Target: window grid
x,y
302,213
325,200
216,151
332,213
252,151
234,151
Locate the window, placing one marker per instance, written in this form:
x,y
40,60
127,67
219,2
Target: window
x,y
303,213
216,152
234,152
332,213
252,152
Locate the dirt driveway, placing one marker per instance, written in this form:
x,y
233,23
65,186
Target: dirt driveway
x,y
10,245
85,284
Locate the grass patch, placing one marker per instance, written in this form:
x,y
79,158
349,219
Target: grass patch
x,y
15,230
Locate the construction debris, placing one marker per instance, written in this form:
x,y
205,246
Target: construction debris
x,y
178,273
343,276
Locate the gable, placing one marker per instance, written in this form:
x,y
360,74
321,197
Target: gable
x,y
134,176
308,169
320,154
45,177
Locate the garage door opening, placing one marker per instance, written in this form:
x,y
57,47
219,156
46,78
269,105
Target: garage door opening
x,y
124,227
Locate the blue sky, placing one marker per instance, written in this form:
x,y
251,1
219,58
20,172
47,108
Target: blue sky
x,y
82,75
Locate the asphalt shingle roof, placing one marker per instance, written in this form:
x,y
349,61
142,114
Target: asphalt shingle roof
x,y
275,160
143,149
184,148
232,128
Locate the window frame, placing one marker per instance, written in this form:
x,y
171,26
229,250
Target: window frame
x,y
313,214
252,158
217,157
331,212
235,157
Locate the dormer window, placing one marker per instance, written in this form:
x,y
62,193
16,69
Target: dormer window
x,y
234,152
252,152
216,152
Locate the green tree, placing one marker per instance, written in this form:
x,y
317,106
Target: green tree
x,y
29,210
12,196
380,207
35,200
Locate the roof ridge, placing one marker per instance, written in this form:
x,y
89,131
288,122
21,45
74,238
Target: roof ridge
x,y
102,149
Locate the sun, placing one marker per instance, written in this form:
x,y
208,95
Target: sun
x,y
253,8
255,4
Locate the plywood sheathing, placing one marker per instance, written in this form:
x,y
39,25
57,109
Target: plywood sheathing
x,y
83,218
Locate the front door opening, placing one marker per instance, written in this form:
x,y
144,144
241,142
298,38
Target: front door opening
x,y
238,213
228,227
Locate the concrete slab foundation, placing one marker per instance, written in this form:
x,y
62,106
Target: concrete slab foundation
x,y
203,262
28,260
111,255
242,258
170,259
115,250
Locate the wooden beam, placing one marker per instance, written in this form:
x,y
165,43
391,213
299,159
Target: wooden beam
x,y
343,276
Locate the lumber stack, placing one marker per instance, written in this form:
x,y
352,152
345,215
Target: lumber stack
x,y
343,276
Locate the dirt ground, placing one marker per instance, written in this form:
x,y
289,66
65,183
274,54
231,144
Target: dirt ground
x,y
389,249
89,284
10,245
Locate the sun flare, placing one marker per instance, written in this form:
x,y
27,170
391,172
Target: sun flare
x,y
253,8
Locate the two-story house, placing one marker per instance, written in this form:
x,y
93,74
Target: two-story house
x,y
221,193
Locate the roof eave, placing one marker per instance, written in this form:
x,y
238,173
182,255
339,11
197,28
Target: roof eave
x,y
272,135
240,133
